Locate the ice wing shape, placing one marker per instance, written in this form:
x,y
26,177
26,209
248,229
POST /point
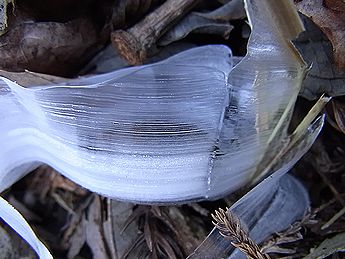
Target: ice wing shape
x,y
270,207
263,89
145,134
211,56
187,128
13,218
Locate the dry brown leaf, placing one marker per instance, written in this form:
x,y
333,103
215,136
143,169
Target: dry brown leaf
x,y
330,17
116,214
190,229
324,76
77,240
94,230
88,230
339,114
290,235
336,115
3,14
101,229
165,245
46,181
28,78
75,228
48,47
335,5
213,22
159,238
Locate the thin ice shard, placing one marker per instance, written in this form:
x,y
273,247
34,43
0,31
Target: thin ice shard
x,y
263,89
13,218
144,134
187,128
270,207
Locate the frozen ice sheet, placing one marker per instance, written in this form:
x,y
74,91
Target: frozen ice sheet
x,y
187,128
146,134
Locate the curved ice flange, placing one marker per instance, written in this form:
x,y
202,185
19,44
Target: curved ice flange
x,y
270,207
186,128
144,134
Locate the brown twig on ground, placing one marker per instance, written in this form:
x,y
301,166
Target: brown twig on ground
x,y
230,227
136,43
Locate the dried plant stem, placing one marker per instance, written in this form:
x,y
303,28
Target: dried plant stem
x,y
135,44
294,138
230,227
336,216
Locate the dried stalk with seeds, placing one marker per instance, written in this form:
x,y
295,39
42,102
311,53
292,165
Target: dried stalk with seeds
x,y
230,227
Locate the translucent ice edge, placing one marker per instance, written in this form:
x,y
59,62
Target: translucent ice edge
x,y
270,207
14,219
185,128
144,134
172,131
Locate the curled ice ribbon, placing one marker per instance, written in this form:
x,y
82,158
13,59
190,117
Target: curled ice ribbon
x,y
173,131
145,134
188,128
269,207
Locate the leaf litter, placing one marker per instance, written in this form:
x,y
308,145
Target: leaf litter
x,y
81,218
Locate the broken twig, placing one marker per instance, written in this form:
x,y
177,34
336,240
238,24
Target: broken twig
x,y
136,43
